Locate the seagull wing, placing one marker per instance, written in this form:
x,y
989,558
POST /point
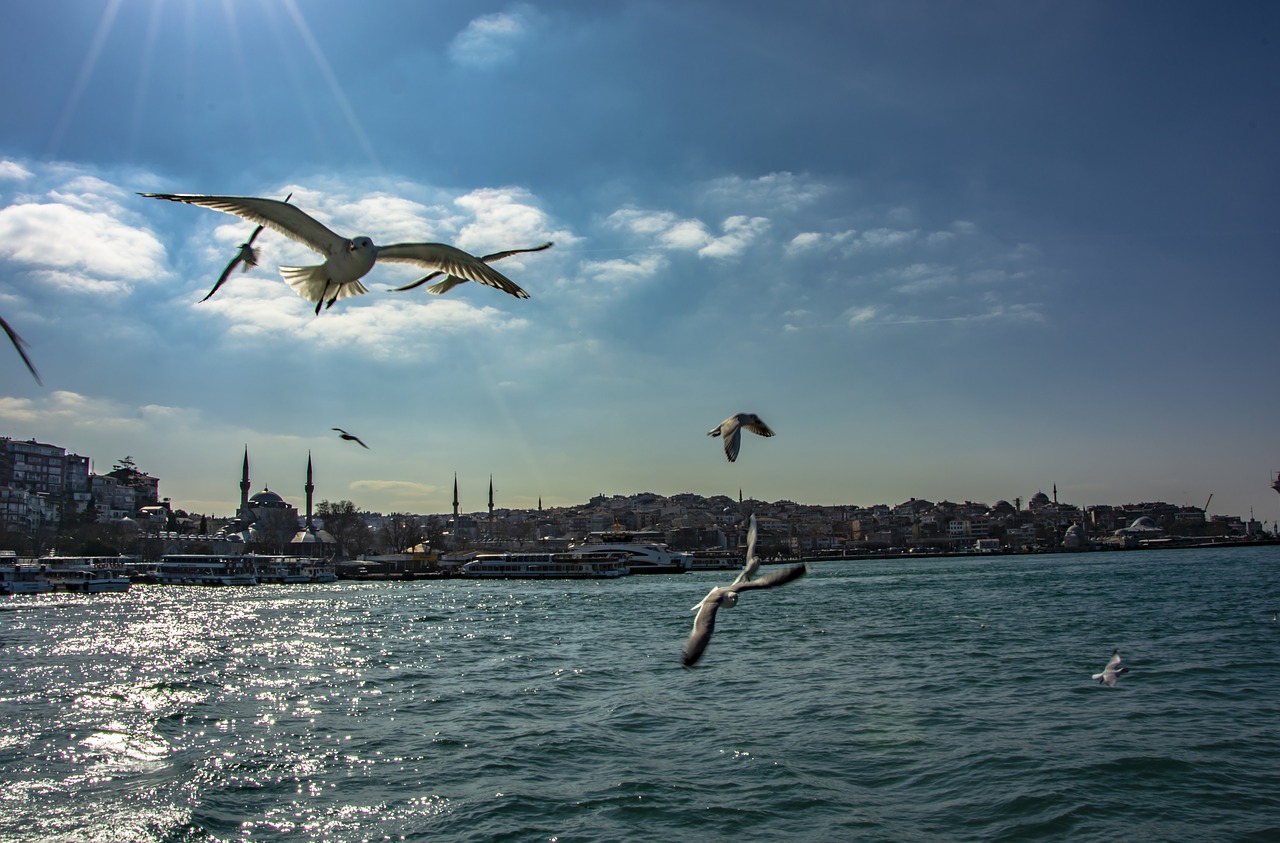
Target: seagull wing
x,y
289,220
731,430
773,578
452,281
755,425
703,625
18,343
752,564
451,260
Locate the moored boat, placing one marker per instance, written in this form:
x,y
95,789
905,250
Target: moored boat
x,y
23,579
203,569
640,553
546,566
86,574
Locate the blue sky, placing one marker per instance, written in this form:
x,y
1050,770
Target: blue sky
x,y
964,251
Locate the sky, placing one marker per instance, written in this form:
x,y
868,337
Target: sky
x,y
963,251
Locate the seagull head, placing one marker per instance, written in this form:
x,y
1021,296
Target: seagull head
x,y
360,244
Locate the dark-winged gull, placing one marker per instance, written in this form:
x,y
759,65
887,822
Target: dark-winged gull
x,y
247,257
18,343
731,429
350,437
704,623
452,281
1111,672
346,260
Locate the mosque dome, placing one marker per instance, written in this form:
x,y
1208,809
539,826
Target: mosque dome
x,y
267,499
1039,499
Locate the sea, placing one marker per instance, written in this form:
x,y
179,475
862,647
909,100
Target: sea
x,y
935,699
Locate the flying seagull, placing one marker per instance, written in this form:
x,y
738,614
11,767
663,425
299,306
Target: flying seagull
x,y
350,437
704,623
247,257
346,260
452,281
18,343
731,430
1111,672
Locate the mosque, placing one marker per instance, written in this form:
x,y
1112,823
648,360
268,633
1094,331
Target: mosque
x,y
266,522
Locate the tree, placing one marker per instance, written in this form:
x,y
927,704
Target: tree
x,y
400,532
343,522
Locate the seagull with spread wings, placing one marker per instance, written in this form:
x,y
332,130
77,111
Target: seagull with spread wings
x,y
732,427
18,346
350,437
246,257
1111,673
347,260
720,597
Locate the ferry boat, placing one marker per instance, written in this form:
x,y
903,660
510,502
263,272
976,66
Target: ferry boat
x,y
87,574
546,566
642,553
23,579
203,569
292,569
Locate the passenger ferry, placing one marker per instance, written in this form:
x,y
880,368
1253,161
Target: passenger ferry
x,y
87,574
23,579
642,552
546,566
198,569
292,569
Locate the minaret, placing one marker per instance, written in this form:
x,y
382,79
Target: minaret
x,y
310,487
455,497
244,484
490,506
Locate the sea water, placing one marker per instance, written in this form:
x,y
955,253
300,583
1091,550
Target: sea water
x,y
904,699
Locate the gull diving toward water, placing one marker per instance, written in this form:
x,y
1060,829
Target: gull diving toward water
x,y
18,343
452,281
727,597
731,430
346,260
247,257
1111,672
350,437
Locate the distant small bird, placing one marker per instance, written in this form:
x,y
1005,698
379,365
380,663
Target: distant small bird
x,y
1111,672
18,343
346,260
727,597
452,281
247,257
350,437
731,430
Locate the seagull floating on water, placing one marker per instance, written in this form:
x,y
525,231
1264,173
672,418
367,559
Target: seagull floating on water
x,y
731,429
727,597
18,343
452,281
247,257
346,260
1111,672
350,437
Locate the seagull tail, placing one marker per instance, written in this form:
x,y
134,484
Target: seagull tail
x,y
312,284
446,285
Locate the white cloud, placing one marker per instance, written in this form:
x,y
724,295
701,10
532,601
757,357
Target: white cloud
x,y
681,234
13,170
491,40
102,247
624,270
774,192
73,410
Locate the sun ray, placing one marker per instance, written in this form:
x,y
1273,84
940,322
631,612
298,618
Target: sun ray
x,y
353,122
86,71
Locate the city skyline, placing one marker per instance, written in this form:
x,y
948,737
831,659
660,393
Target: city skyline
x,y
945,251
